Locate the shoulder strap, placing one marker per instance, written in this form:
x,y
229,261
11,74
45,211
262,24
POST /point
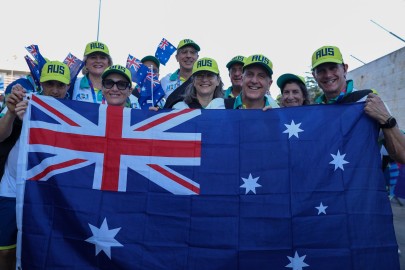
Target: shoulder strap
x,y
229,102
177,95
355,96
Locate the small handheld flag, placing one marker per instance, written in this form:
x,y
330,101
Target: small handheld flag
x,y
164,51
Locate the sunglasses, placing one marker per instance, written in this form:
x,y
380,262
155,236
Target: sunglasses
x,y
121,85
208,75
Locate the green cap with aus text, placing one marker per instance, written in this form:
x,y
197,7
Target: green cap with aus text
x,y
259,59
188,42
55,71
96,46
206,64
326,54
117,69
237,59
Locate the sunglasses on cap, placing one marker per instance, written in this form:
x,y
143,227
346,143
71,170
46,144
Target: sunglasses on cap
x,y
121,85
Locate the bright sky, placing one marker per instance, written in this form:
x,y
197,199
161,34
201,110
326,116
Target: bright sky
x,y
286,31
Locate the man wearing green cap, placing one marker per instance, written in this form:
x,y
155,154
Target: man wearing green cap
x,y
96,59
186,55
256,82
329,71
235,67
55,81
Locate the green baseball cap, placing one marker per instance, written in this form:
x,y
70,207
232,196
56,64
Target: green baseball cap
x,y
96,46
206,64
188,42
151,58
259,59
117,69
55,71
237,59
289,77
326,54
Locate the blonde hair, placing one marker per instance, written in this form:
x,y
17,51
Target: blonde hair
x,y
85,71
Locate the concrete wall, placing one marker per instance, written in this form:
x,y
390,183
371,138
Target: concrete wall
x,y
387,76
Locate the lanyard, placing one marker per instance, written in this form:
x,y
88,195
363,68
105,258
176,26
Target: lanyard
x,y
93,93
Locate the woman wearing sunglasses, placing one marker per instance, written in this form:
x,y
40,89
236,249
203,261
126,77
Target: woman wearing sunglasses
x,y
206,88
116,86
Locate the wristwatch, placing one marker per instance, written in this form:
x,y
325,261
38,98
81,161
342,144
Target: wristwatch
x,y
389,123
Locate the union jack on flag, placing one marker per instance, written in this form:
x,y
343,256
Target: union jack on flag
x,y
133,63
137,69
70,60
33,50
163,44
73,140
74,64
152,78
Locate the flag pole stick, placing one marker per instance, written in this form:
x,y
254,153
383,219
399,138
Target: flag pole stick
x,y
398,37
357,59
98,23
151,86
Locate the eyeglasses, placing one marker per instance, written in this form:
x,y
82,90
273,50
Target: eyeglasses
x,y
208,75
121,85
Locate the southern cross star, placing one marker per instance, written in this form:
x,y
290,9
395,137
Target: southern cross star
x,y
338,160
250,184
321,208
103,238
297,263
293,129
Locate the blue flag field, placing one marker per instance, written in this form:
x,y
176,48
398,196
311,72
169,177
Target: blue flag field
x,y
105,187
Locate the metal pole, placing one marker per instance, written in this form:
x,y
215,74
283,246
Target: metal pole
x,y
98,24
151,86
403,40
357,59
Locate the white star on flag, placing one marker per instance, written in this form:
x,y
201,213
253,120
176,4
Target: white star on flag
x,y
297,263
250,184
338,160
103,238
321,208
293,129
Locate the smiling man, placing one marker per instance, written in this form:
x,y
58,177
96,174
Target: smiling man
x,y
329,71
186,55
256,82
55,81
235,68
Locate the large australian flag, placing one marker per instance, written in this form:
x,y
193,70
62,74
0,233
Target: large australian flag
x,y
104,187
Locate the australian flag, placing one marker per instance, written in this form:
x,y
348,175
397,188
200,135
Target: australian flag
x,y
151,91
34,51
138,70
75,65
164,50
105,187
34,70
